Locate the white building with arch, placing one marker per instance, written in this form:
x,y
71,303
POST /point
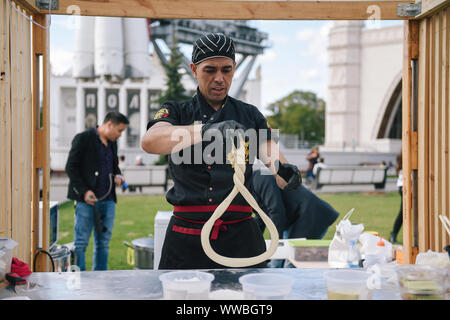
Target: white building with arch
x,y
363,111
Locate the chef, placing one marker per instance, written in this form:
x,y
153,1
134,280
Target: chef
x,y
197,135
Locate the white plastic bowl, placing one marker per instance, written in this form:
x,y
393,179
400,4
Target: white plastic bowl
x,y
347,284
186,285
266,286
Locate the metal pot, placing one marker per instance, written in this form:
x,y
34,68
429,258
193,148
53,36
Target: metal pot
x,y
61,258
141,253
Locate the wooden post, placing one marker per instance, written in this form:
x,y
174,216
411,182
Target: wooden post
x,y
41,139
424,136
410,51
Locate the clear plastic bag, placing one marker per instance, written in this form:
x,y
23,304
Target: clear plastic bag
x,y
6,255
338,250
434,259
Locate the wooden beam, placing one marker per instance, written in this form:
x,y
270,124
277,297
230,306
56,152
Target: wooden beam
x,y
28,5
430,7
235,10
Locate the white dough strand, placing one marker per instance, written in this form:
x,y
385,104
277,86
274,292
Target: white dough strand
x,y
239,187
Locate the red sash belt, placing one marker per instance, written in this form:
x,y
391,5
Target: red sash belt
x,y
212,208
219,225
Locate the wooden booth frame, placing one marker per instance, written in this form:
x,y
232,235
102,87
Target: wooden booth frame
x,y
24,133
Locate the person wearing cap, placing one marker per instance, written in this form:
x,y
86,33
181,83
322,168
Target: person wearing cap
x,y
196,136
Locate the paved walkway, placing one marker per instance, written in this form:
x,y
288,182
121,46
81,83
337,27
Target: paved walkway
x,y
58,192
391,186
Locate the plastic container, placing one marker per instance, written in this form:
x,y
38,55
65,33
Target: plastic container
x,y
373,259
6,255
266,286
378,256
353,255
347,284
382,251
383,282
186,285
373,245
162,219
420,282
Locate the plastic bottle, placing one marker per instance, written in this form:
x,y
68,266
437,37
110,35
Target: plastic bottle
x,y
381,251
378,256
353,256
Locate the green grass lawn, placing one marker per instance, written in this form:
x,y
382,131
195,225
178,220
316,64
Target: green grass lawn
x,y
135,217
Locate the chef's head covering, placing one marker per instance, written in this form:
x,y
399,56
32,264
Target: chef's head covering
x,y
212,45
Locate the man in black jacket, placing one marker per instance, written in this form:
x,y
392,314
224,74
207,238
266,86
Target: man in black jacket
x,y
92,167
297,213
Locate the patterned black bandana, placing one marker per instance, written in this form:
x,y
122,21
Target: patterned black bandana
x,y
212,45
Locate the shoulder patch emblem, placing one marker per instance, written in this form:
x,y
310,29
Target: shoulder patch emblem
x,y
162,113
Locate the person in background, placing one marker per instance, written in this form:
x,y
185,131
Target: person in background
x,y
399,220
139,161
320,164
297,213
312,157
93,168
121,162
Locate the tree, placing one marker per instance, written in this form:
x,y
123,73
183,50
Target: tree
x,y
301,113
175,90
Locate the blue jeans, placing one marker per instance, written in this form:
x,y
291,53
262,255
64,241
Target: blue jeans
x,y
84,223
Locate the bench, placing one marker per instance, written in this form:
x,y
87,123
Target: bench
x,y
146,176
346,175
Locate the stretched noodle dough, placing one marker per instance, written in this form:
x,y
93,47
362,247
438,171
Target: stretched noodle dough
x,y
239,179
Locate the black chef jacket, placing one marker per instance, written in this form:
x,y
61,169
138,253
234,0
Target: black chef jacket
x,y
205,183
202,185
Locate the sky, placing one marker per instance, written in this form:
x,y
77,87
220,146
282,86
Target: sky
x,y
295,60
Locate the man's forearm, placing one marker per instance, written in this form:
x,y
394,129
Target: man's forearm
x,y
164,138
269,154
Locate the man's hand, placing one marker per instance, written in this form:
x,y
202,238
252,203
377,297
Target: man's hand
x,y
222,127
90,198
118,179
290,174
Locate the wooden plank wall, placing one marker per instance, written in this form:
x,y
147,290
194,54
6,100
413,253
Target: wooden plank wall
x,y
5,123
19,209
433,130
